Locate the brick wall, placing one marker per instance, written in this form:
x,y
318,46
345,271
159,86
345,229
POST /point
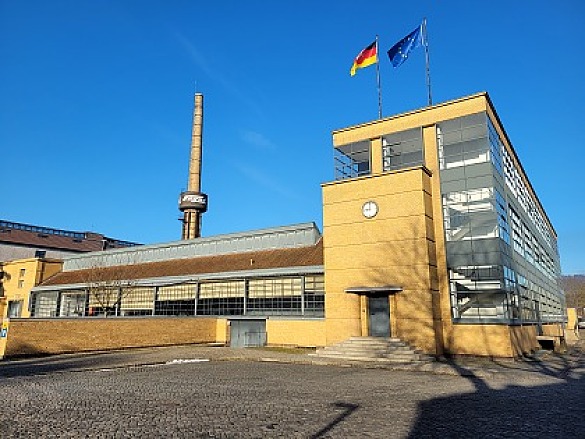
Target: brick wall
x,y
53,336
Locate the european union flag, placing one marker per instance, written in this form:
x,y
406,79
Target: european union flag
x,y
400,51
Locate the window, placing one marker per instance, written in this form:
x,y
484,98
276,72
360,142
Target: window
x,y
352,160
103,301
503,226
21,283
73,304
175,300
402,150
272,296
517,234
314,296
463,141
470,214
14,309
137,301
44,304
495,147
481,306
221,298
275,296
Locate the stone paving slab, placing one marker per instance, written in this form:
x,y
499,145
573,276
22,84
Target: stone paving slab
x,y
544,363
261,395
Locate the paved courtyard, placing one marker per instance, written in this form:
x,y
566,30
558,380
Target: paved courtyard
x,y
251,393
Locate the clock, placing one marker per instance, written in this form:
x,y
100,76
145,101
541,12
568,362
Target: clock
x,y
370,209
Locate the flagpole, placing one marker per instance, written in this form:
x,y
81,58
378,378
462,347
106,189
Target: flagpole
x,y
378,80
428,67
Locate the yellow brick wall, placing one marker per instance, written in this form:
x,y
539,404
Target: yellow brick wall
x,y
523,339
222,330
553,329
20,276
295,332
570,332
393,248
54,336
480,340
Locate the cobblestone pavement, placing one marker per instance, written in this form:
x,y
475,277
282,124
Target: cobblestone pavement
x,y
263,393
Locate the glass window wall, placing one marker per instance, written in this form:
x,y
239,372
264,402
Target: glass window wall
x,y
402,150
352,160
516,285
271,296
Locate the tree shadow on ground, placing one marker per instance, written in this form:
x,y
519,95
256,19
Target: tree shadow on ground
x,y
548,410
42,365
346,408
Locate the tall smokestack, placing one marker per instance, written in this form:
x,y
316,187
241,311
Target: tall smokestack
x,y
193,202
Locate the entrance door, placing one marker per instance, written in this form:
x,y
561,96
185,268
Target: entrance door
x,y
244,333
379,316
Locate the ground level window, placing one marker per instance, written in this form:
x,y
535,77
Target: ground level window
x,y
270,296
175,307
221,298
45,304
275,296
14,309
73,304
137,301
176,300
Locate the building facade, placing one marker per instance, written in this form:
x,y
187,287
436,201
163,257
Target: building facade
x,y
432,233
22,241
17,278
433,210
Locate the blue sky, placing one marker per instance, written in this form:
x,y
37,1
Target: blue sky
x,y
96,101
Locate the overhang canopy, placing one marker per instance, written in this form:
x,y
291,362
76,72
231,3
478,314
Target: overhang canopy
x,y
386,289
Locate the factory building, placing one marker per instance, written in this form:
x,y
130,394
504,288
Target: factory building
x,y
432,233
23,241
29,254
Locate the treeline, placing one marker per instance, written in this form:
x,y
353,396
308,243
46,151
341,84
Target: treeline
x,y
574,287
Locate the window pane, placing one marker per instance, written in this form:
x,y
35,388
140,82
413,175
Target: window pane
x,y
402,150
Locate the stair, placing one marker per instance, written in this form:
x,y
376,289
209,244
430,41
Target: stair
x,y
374,349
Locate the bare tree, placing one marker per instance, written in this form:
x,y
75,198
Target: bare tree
x,y
107,281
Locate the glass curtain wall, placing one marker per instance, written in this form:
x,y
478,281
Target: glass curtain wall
x,y
489,244
475,219
302,296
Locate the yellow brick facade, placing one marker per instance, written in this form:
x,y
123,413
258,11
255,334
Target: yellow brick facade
x,y
404,244
288,332
398,255
19,277
55,336
393,248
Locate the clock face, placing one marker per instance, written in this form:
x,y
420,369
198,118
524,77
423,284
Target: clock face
x,y
370,209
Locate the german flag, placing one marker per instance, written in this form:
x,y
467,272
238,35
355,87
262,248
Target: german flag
x,y
366,58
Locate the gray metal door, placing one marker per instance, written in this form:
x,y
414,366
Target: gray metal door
x,y
245,333
379,313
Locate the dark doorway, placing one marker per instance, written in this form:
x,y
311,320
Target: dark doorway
x,y
379,316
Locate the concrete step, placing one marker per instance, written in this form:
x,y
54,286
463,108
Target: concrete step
x,y
373,349
373,340
368,338
388,359
373,345
370,355
358,349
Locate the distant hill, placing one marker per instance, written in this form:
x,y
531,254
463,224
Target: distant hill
x,y
574,287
